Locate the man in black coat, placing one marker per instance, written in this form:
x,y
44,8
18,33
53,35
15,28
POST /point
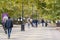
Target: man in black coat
x,y
9,25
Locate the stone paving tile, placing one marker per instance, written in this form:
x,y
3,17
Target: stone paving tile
x,y
40,33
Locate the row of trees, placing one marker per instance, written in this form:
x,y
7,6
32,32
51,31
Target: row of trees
x,y
47,9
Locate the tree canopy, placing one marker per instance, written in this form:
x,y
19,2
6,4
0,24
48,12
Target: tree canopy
x,y
47,9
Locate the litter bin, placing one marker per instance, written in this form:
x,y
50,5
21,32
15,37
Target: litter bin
x,y
22,28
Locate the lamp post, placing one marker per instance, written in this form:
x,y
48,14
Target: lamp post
x,y
36,19
22,20
32,9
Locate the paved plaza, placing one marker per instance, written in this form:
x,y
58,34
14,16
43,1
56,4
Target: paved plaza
x,y
31,33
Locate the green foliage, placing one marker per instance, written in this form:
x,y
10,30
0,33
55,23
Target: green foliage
x,y
47,9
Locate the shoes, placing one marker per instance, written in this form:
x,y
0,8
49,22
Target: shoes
x,y
22,30
8,37
5,32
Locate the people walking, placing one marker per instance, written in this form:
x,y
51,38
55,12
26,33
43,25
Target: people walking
x,y
3,23
31,22
9,25
28,22
46,23
36,23
42,21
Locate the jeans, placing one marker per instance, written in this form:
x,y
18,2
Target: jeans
x,y
9,32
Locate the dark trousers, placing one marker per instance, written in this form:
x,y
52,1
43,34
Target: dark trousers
x,y
36,24
42,24
9,32
46,24
32,24
5,30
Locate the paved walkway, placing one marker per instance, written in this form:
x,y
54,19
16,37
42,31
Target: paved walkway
x,y
40,33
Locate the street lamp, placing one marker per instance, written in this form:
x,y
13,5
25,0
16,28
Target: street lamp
x,y
32,10
36,19
22,20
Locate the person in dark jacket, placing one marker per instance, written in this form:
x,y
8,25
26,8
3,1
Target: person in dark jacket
x,y
42,21
35,22
46,24
9,25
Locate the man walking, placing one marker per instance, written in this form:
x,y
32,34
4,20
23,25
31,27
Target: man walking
x,y
42,21
9,25
28,21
